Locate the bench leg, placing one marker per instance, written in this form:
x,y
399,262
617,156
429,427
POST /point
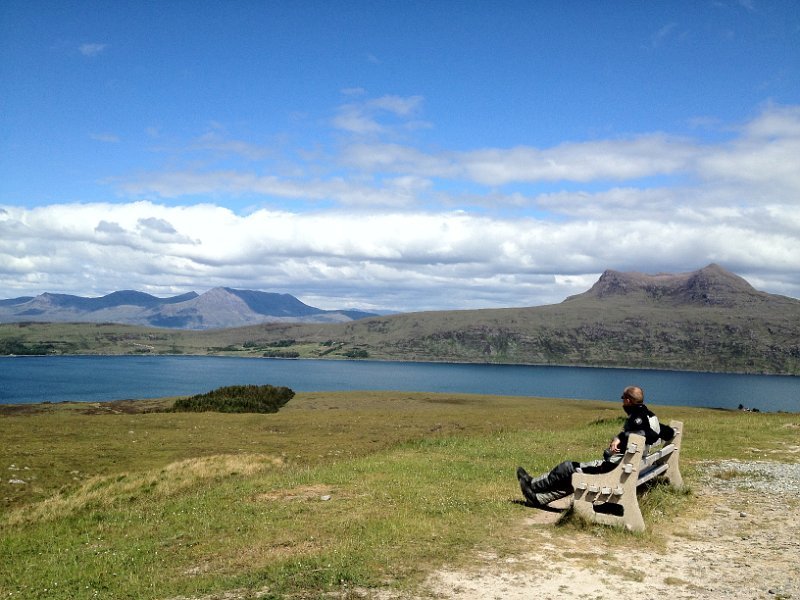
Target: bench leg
x,y
620,511
673,472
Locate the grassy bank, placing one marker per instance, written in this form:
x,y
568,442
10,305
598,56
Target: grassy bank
x,y
337,491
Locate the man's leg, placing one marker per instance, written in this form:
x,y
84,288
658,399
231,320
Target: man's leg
x,y
559,478
525,482
548,487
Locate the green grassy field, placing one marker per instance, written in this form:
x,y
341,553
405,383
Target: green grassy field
x,y
336,492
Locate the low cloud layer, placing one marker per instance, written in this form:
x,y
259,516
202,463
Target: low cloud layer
x,y
376,220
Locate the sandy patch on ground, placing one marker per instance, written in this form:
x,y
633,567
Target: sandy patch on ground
x,y
744,544
741,542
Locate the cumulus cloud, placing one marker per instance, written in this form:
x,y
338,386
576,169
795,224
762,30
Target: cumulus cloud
x,y
582,162
764,157
429,260
352,118
367,116
775,121
109,228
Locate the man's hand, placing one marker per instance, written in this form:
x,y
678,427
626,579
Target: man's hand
x,y
614,445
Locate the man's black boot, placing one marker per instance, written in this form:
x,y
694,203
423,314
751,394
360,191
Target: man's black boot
x,y
530,496
522,475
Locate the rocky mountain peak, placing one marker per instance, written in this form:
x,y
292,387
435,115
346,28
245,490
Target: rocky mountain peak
x,y
710,286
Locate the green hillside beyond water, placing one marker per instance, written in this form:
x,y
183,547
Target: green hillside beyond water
x,y
341,493
709,320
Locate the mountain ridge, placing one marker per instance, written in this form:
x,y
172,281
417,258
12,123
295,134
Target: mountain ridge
x,y
710,286
706,320
219,307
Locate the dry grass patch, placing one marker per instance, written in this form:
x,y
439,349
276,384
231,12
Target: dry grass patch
x,y
105,491
304,493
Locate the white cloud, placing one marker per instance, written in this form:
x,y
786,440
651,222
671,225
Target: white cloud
x,y
108,138
395,158
232,183
352,118
109,228
645,156
397,105
775,121
588,161
765,158
366,117
762,156
92,49
662,35
748,5
218,143
430,260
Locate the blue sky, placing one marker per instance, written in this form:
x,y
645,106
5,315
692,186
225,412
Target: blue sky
x,y
396,155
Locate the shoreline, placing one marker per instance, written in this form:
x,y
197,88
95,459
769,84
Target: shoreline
x,y
409,360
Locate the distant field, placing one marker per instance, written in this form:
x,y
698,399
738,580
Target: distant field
x,y
336,492
112,339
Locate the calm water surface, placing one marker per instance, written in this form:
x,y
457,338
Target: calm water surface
x,y
28,379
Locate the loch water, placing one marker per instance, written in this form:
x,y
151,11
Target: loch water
x,y
29,379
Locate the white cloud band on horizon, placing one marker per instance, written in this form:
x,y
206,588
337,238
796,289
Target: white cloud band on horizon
x,y
380,223
442,260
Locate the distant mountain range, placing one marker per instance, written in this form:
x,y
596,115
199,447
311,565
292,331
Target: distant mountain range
x,y
217,308
706,320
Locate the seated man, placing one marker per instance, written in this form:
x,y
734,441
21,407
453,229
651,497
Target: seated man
x,y
558,482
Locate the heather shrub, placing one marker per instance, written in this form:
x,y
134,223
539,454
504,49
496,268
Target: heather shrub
x,y
237,399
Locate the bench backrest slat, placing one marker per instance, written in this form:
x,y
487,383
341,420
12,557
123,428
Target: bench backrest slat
x,y
655,456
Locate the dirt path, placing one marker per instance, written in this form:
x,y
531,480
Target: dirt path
x,y
743,544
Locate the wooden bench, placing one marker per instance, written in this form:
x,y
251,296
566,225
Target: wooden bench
x,y
610,498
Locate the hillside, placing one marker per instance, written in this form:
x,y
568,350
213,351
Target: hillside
x,y
217,308
709,319
706,320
